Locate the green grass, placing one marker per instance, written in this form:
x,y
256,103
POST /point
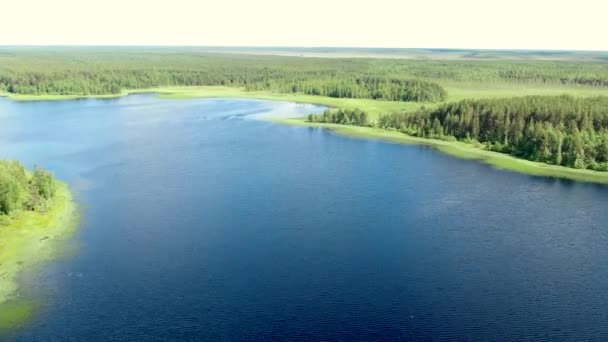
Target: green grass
x,y
27,240
479,90
374,108
456,92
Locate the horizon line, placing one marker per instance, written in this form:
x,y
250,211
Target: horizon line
x,y
297,47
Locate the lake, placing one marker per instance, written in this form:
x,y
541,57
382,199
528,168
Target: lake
x,y
202,222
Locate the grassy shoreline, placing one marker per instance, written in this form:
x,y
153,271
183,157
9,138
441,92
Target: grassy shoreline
x,y
375,108
453,148
27,241
461,150
456,91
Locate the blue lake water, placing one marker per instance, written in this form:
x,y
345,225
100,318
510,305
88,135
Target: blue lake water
x,y
200,222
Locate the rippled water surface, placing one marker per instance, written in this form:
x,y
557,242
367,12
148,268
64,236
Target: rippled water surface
x,y
202,223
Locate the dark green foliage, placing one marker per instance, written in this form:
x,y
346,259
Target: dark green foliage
x,y
354,117
41,189
13,186
80,73
43,183
390,89
85,71
560,130
11,193
19,190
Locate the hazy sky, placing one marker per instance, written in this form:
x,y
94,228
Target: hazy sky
x,y
525,24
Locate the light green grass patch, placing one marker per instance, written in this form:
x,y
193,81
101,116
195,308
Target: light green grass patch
x,y
28,240
373,107
458,91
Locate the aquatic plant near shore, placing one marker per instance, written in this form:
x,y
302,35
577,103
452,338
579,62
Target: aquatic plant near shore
x,y
37,214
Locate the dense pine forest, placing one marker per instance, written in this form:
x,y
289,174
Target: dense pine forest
x,y
560,130
85,71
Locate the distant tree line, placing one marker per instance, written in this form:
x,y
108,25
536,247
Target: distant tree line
x,y
390,89
560,130
354,117
85,71
87,83
22,190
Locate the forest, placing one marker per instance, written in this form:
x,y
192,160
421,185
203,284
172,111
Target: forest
x,y
560,130
355,117
377,88
110,70
23,190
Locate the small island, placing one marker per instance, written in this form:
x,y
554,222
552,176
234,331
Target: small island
x,y
36,213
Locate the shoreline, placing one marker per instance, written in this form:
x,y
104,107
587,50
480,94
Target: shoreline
x,y
26,242
457,149
374,109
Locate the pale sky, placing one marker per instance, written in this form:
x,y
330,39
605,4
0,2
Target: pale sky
x,y
486,24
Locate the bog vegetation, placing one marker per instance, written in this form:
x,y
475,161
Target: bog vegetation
x,y
23,190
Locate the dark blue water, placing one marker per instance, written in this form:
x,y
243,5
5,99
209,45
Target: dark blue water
x,y
202,223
